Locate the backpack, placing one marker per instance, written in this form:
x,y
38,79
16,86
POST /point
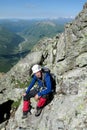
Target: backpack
x,y
53,78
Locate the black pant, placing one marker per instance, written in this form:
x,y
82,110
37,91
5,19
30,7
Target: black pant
x,y
34,91
31,94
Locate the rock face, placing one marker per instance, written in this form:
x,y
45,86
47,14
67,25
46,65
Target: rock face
x,y
66,56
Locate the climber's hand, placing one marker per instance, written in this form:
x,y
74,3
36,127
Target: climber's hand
x,y
24,94
36,97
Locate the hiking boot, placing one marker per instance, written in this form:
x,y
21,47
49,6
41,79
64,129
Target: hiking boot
x,y
38,111
25,114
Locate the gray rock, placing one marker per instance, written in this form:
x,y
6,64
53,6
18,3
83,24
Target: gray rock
x,y
81,60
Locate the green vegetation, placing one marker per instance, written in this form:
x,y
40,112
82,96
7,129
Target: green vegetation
x,y
20,84
8,41
7,63
15,104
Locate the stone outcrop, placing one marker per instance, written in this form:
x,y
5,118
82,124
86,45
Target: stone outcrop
x,y
66,56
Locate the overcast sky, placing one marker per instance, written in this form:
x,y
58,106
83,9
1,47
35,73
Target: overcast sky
x,y
27,9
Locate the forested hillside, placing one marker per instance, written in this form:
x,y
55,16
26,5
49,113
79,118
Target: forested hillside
x,y
9,42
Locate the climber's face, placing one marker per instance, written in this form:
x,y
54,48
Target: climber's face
x,y
38,74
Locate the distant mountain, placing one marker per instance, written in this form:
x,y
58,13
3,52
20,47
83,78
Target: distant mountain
x,y
18,25
9,42
43,28
40,29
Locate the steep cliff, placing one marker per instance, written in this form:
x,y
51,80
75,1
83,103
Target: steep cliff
x,y
66,56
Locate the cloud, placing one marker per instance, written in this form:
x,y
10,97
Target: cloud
x,y
30,6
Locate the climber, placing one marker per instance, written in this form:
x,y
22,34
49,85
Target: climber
x,y
40,93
